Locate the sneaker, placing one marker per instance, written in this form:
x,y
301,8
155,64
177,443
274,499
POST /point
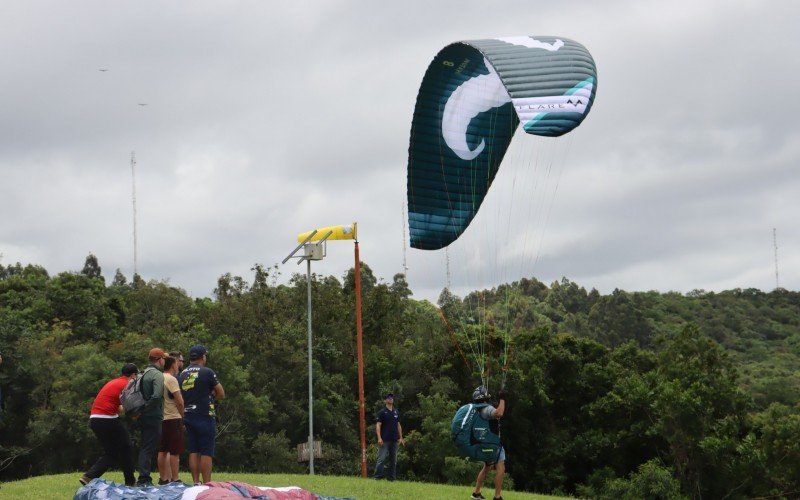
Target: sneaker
x,y
498,498
142,483
84,480
476,496
162,482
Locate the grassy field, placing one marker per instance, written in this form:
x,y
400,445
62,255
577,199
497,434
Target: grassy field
x,y
65,486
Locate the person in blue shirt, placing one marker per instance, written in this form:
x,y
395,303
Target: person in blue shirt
x,y
200,389
389,432
1,394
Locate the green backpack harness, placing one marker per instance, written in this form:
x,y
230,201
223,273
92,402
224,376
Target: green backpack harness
x,y
472,434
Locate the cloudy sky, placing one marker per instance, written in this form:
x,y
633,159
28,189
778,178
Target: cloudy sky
x,y
266,119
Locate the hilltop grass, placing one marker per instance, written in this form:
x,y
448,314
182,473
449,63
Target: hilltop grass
x,y
65,486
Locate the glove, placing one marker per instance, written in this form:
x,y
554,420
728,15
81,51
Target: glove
x,y
503,394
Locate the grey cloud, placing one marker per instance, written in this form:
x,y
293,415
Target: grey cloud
x,y
268,119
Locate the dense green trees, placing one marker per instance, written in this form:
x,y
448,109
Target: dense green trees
x,y
626,395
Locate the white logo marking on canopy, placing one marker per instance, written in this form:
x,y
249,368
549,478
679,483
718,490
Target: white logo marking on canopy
x,y
475,96
532,43
532,108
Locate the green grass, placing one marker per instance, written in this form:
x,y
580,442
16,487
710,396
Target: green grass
x,y
65,486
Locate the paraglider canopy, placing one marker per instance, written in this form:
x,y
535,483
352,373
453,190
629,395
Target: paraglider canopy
x,y
472,99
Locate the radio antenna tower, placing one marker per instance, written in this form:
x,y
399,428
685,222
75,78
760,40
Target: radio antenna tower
x,y
133,200
775,246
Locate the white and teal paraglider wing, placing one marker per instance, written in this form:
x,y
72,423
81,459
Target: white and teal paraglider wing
x,y
472,98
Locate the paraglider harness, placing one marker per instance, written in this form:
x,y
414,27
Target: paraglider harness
x,y
472,434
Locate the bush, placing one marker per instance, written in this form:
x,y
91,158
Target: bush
x,y
272,453
652,481
459,470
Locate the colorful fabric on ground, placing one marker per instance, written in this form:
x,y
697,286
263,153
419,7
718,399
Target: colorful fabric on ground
x,y
100,489
235,490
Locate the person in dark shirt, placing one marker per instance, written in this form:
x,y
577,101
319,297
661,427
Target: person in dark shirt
x,y
152,414
389,432
2,403
200,388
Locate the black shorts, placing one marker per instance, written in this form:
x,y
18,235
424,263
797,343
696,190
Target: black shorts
x,y
171,437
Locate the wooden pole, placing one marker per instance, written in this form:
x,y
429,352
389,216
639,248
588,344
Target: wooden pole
x,y
362,426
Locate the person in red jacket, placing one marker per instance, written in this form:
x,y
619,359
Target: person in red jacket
x,y
107,426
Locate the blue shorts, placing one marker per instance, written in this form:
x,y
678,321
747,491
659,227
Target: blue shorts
x,y
501,457
201,433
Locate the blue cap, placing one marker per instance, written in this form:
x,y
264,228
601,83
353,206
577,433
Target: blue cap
x,y
389,395
197,352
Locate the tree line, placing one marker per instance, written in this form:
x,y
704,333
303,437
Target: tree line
x,y
625,395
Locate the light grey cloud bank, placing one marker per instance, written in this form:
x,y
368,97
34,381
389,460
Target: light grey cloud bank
x,y
264,120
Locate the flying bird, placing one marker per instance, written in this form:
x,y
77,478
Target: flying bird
x,y
142,104
103,70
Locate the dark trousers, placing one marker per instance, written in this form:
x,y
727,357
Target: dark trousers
x,y
387,452
151,437
116,448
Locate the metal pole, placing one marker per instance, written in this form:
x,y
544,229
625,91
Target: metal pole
x,y
362,426
310,255
775,245
133,200
310,379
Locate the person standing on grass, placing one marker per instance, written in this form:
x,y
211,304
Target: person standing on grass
x,y
152,414
107,426
2,405
389,432
200,389
493,415
169,452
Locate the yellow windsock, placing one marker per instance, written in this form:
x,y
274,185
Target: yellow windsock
x,y
348,232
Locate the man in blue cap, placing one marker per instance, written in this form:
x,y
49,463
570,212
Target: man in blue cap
x,y
200,389
389,432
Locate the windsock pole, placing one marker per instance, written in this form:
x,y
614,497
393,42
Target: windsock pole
x,y
362,426
313,240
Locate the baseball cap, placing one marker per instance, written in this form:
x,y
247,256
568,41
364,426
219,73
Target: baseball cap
x,y
389,395
197,352
156,352
129,369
